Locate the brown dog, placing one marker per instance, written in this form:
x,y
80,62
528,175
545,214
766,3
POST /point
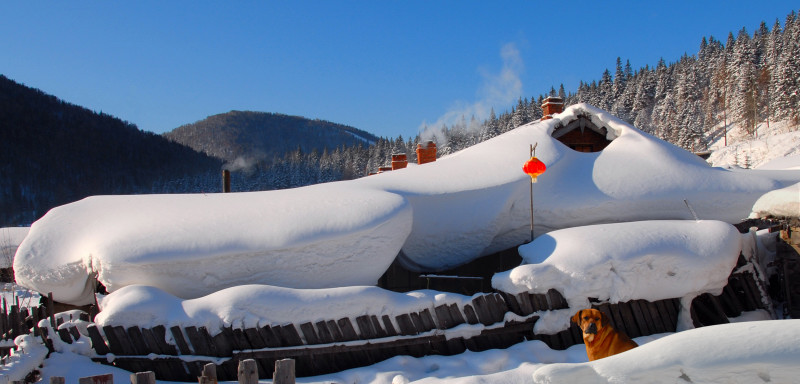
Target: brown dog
x,y
601,339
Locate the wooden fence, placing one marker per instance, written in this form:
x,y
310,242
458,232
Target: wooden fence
x,y
488,321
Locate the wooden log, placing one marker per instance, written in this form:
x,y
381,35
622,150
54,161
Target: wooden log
x,y
148,377
99,379
247,372
284,372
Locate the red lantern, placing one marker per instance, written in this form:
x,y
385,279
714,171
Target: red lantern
x,y
534,168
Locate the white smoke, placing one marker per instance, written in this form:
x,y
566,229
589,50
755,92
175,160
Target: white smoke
x,y
498,89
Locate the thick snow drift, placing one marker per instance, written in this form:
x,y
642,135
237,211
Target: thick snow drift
x,y
441,215
751,352
784,202
191,245
650,260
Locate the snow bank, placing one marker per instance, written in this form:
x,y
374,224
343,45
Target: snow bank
x,y
441,215
784,202
29,356
252,306
753,352
650,260
191,245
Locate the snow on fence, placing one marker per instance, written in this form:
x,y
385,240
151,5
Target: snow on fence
x,y
494,320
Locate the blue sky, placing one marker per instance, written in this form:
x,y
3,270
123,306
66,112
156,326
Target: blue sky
x,y
386,67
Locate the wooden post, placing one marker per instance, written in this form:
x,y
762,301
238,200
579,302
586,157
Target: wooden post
x,y
148,377
57,380
248,372
51,310
209,375
284,372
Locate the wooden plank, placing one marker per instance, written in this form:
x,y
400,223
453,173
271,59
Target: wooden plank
x,y
254,338
160,335
183,346
406,325
540,302
137,341
641,321
445,321
417,320
309,333
98,343
223,344
376,325
666,319
733,308
76,335
658,324
366,331
471,316
270,338
324,333
627,319
497,307
346,327
556,299
455,314
427,319
150,341
511,300
199,343
336,332
238,339
524,302
64,335
387,324
288,335
114,344
647,328
482,309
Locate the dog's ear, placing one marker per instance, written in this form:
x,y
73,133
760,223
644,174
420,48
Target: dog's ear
x,y
577,318
603,319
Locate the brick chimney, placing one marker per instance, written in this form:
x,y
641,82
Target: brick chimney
x,y
426,152
551,106
399,161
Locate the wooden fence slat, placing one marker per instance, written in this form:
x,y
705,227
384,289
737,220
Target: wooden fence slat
x,y
539,302
238,339
627,320
288,334
376,324
160,335
658,322
469,313
323,332
406,325
150,342
270,338
427,319
387,324
366,331
226,341
98,343
348,332
64,335
481,308
524,302
641,318
254,338
443,315
512,303
137,341
309,333
114,344
199,344
556,299
180,340
455,314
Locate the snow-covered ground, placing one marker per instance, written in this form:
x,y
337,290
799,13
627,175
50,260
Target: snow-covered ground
x,y
188,259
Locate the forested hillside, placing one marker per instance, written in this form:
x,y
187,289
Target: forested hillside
x,y
53,152
249,136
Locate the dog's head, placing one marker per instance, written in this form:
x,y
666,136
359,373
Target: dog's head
x,y
591,321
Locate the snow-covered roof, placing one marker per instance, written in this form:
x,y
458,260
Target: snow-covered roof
x,y
441,215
